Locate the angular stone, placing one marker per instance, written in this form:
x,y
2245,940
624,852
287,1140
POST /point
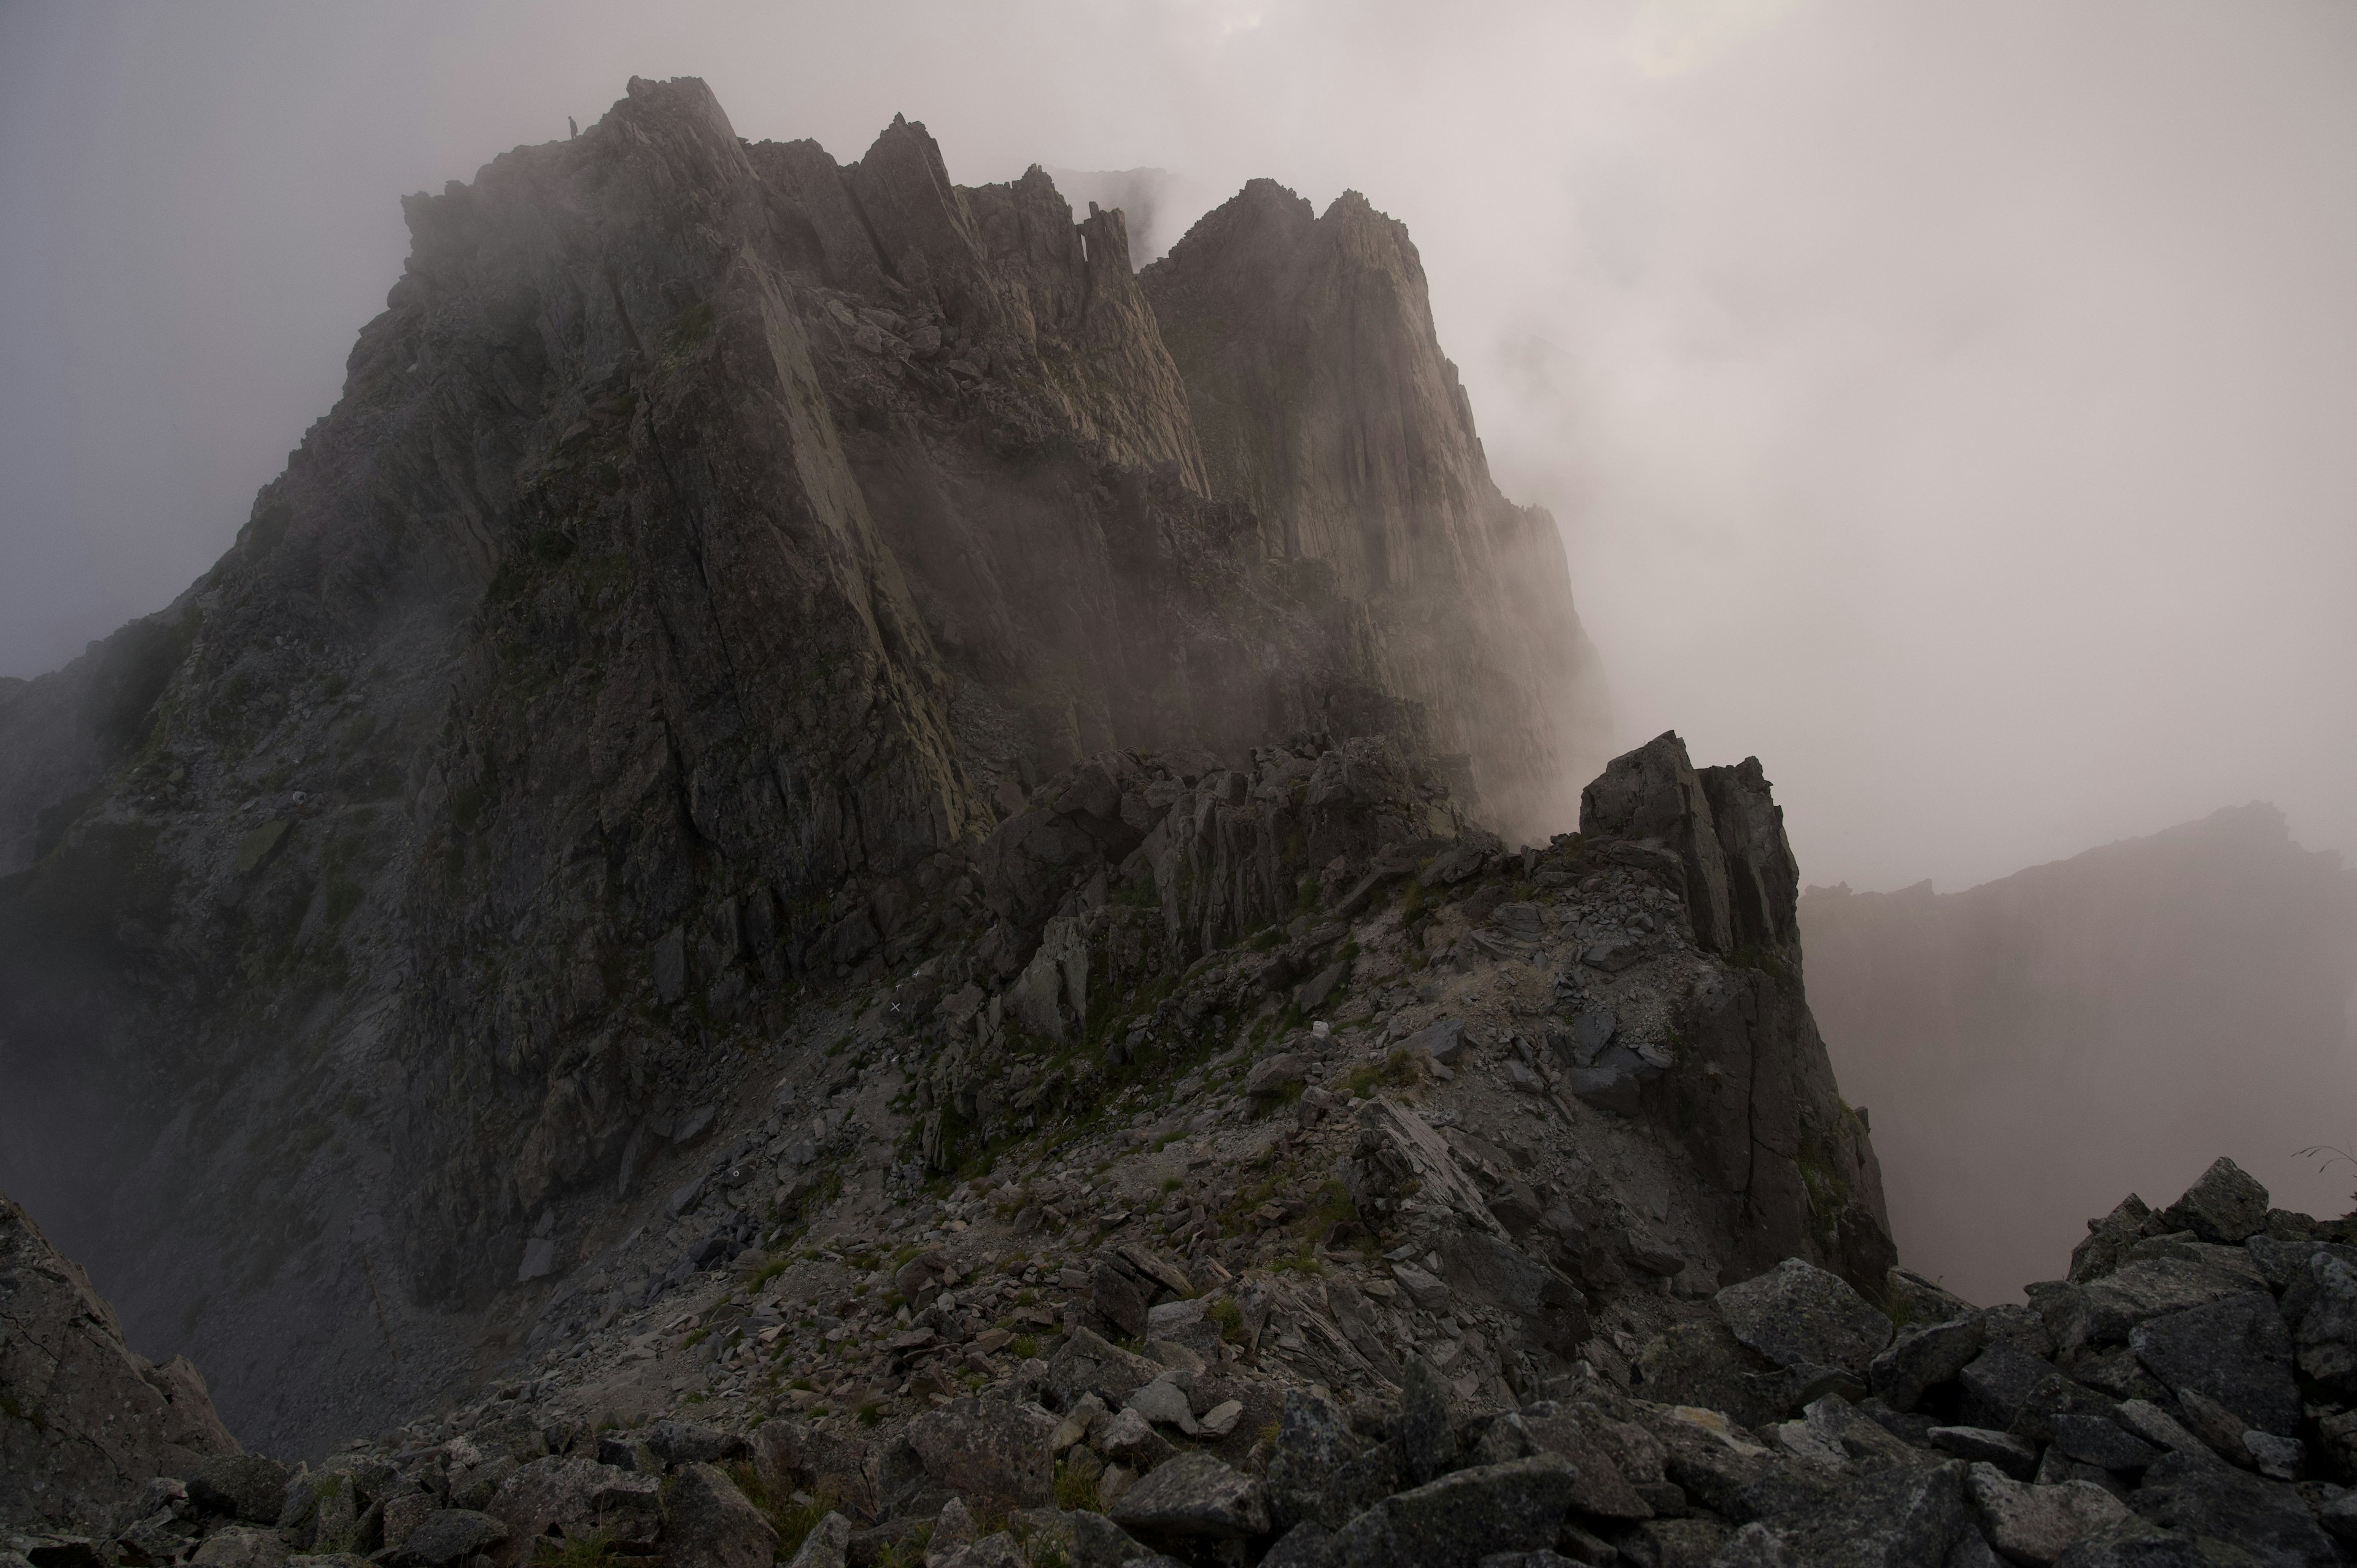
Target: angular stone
x,y
1427,1431
2146,1288
1129,1437
790,1454
990,1450
1273,1075
1193,1496
1922,1357
1983,1446
449,1535
2035,1524
1318,1471
2264,1521
1892,1516
2321,1304
1915,1300
242,1486
1422,1288
2092,1439
1797,1312
1599,1490
2226,1205
1119,1298
2149,1423
575,1496
1098,1542
2236,1351
239,1546
1443,1042
1161,1402
708,1523
694,1443
1088,1363
2021,1394
826,1546
1459,1520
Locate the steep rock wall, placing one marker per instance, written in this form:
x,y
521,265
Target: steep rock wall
x,y
1323,400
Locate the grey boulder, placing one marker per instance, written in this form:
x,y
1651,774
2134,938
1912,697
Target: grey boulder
x,y
2236,1351
709,1523
2035,1524
1798,1313
1194,1495
448,1536
1459,1520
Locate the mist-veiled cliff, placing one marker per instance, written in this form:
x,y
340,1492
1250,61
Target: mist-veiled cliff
x,y
2132,1009
1322,398
710,546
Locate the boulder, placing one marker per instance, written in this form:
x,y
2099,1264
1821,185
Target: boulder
x,y
1902,1514
2227,1205
239,1546
2034,1524
1428,1432
1443,1042
1599,1490
1098,1542
2014,1391
1318,1471
2265,1522
1194,1495
1088,1363
791,1455
448,1536
988,1450
1798,1313
1981,1446
2236,1351
242,1486
2321,1304
1273,1075
827,1545
575,1497
1460,1519
1922,1357
708,1523
693,1443
2105,1444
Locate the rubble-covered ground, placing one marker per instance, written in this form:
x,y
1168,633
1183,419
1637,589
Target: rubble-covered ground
x,y
1410,1229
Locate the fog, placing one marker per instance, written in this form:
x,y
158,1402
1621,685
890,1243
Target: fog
x,y
1952,406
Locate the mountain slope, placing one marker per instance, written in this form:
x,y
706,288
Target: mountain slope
x,y
712,546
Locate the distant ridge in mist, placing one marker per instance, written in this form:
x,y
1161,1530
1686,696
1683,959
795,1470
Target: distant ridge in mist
x,y
2134,1010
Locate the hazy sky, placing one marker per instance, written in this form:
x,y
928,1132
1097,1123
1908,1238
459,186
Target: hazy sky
x,y
1956,406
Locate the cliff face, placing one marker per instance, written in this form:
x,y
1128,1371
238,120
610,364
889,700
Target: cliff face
x,y
1322,398
714,555
2025,1043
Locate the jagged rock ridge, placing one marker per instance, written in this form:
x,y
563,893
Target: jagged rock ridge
x,y
713,547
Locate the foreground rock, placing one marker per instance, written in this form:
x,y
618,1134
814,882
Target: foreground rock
x,y
85,1422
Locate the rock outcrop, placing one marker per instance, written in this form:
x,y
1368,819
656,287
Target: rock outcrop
x,y
85,1422
713,545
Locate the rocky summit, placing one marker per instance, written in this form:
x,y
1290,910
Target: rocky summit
x,y
833,881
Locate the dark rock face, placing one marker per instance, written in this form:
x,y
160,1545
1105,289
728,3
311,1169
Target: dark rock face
x,y
712,547
86,1422
1322,399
